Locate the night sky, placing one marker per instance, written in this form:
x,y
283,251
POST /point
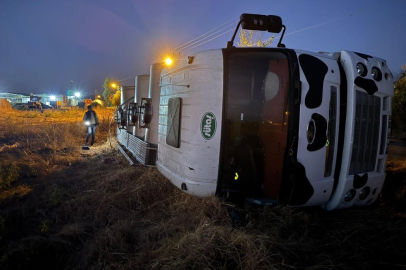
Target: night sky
x,y
46,44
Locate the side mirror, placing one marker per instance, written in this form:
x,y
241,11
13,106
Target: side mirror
x,y
270,23
120,118
145,112
132,113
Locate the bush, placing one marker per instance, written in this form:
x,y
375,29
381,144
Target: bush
x,y
116,99
8,174
4,105
399,104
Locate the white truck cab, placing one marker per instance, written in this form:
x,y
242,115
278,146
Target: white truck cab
x,y
275,125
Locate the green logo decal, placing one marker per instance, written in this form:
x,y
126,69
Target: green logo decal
x,y
208,125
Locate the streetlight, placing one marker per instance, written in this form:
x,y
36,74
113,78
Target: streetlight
x,y
168,61
77,94
53,98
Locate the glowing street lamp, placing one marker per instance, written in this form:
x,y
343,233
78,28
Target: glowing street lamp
x,y
113,85
168,61
77,94
53,98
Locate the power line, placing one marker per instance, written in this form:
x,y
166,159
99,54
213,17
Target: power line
x,y
200,40
206,33
211,39
184,45
317,25
126,78
288,34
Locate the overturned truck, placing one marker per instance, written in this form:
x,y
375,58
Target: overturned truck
x,y
270,125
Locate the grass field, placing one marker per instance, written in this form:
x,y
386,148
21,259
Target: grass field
x,y
63,208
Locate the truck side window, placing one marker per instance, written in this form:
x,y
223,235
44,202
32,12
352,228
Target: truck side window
x,y
173,124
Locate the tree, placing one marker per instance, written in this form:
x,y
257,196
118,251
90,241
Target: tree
x,y
116,100
399,103
247,39
108,91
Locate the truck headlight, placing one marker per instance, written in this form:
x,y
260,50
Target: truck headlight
x,y
311,131
363,194
376,74
349,196
361,69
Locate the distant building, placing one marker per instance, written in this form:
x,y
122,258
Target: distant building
x,y
52,100
15,97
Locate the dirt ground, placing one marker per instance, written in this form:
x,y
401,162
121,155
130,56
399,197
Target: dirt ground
x,y
64,208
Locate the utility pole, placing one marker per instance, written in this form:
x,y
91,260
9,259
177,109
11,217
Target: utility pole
x,y
70,94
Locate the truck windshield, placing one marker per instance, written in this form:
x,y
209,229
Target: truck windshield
x,y
256,122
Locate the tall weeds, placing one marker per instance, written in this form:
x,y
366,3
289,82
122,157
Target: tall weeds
x,y
91,210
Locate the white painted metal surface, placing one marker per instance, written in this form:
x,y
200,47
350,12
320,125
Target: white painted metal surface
x,y
376,178
200,86
314,162
151,134
126,93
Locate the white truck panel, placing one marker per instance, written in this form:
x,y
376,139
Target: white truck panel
x,y
154,93
375,177
314,161
200,85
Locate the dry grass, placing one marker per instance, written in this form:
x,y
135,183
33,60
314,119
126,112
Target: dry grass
x,y
97,212
4,105
39,143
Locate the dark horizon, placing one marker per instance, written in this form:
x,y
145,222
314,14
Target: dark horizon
x,y
46,44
